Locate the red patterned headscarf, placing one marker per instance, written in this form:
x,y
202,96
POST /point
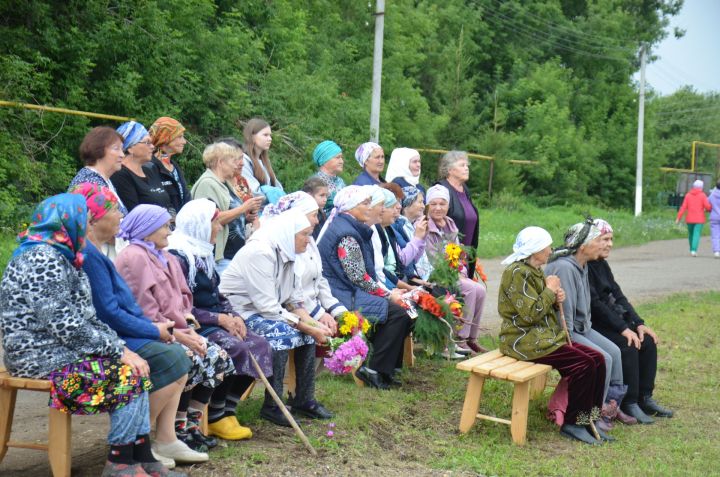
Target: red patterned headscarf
x,y
164,130
99,199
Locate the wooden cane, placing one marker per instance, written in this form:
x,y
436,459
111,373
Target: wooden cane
x,y
564,325
282,407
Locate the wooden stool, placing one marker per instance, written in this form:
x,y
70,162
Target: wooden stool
x,y
204,419
529,380
59,430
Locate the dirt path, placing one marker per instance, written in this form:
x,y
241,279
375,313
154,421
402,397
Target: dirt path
x,y
645,272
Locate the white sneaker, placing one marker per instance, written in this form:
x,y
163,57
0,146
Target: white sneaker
x,y
166,461
180,452
446,354
717,254
694,254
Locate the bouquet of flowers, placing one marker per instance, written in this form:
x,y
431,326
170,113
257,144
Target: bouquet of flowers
x,y
349,350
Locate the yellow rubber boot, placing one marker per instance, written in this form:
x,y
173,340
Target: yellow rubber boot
x,y
229,429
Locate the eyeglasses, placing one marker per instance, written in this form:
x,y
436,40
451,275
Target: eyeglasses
x,y
147,143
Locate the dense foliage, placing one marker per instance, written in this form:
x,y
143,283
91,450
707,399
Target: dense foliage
x,y
544,80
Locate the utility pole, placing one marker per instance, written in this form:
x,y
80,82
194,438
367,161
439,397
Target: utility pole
x,y
377,71
641,127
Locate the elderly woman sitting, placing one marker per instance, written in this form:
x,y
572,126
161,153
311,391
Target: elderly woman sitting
x,y
50,331
328,157
158,284
411,225
191,243
349,266
261,285
585,242
441,231
116,306
371,158
531,331
222,160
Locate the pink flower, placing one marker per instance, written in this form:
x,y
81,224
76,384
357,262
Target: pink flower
x,y
330,433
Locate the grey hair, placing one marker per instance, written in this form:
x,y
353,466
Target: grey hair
x,y
218,151
448,161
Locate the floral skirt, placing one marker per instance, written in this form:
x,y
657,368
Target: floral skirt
x,y
279,334
92,385
209,370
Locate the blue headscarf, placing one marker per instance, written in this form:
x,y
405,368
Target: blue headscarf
x,y
132,133
325,151
59,221
411,193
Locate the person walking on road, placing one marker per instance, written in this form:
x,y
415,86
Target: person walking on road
x,y
695,204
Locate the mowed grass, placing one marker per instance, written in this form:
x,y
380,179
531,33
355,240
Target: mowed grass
x,y
413,431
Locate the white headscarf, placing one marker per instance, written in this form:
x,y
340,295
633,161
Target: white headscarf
x,y
191,237
437,192
698,184
347,199
399,165
280,231
363,152
299,200
530,240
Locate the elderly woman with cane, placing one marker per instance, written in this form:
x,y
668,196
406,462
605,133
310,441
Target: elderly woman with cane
x,y
531,331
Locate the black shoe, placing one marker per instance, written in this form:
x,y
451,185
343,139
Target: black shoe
x,y
274,415
392,380
313,410
652,408
601,433
374,380
196,434
634,410
572,431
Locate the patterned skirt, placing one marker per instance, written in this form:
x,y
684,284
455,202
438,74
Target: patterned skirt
x,y
92,385
208,370
279,334
240,350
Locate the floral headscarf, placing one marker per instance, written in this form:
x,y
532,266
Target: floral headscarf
x,y
59,221
164,130
297,200
577,236
363,152
99,199
411,193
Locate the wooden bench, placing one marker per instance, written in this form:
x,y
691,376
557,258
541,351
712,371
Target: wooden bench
x,y
528,378
59,430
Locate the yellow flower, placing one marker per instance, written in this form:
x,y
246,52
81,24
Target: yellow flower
x,y
349,322
365,326
97,398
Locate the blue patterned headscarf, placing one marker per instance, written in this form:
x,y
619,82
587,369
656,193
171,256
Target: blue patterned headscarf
x,y
325,151
59,221
411,193
132,133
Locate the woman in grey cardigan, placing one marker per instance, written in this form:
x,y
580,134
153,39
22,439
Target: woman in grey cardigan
x,y
584,242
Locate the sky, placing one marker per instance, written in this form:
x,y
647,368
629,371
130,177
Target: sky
x,y
694,59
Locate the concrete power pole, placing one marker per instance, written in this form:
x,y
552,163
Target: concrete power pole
x,y
377,71
640,134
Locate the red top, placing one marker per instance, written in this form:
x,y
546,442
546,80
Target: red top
x,y
695,204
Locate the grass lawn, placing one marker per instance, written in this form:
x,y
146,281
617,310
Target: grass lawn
x,y
413,431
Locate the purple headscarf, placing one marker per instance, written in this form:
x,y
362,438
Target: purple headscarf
x,y
142,221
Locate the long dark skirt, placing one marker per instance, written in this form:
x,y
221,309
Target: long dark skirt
x,y
239,350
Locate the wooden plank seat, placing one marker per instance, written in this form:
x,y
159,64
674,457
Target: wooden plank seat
x,y
58,446
528,379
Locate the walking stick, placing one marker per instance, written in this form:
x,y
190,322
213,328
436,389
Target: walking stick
x,y
282,407
564,325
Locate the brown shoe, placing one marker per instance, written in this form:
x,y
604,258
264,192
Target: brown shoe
x,y
473,345
625,419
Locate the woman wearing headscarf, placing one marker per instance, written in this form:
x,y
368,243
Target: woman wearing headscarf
x,y
412,206
262,286
328,157
695,204
531,331
371,158
222,160
196,228
138,180
50,331
158,284
102,152
168,137
349,267
318,299
441,231
257,168
154,342
583,243
404,168
615,318
454,171
714,200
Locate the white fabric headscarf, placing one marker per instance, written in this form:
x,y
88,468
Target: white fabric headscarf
x,y
698,184
299,200
191,237
280,231
363,152
437,192
399,165
530,240
347,199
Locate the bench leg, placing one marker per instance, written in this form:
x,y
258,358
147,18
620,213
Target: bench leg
x,y
59,443
537,386
408,352
203,424
520,404
472,402
248,391
290,379
7,410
